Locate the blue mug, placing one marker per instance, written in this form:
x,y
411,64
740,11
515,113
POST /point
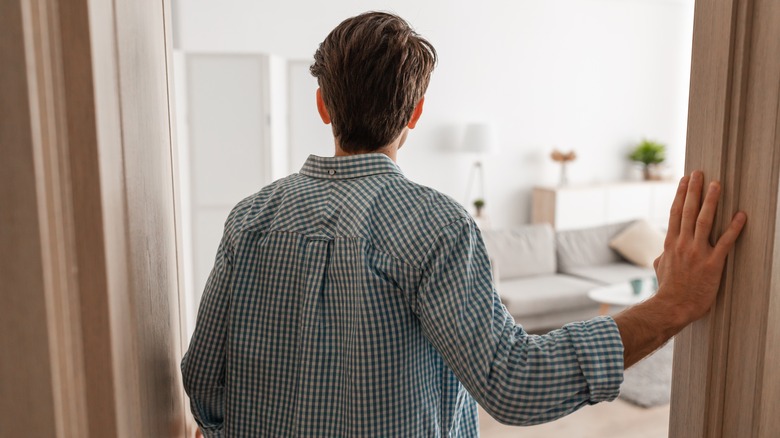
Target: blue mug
x,y
636,286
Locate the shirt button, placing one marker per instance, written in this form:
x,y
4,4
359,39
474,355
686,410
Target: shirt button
x,y
331,172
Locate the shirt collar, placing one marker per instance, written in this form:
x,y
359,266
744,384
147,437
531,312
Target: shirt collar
x,y
350,166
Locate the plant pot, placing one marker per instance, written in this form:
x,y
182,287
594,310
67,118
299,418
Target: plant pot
x,y
653,172
647,173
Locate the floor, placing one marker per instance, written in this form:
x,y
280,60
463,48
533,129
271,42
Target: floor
x,y
617,419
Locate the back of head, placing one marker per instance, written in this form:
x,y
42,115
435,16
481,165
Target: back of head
x,y
373,70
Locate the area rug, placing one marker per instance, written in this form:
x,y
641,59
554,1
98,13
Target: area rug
x,y
649,382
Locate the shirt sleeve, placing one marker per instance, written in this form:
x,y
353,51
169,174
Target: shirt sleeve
x,y
203,367
519,379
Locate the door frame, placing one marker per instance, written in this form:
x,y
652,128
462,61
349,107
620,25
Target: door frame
x,y
724,379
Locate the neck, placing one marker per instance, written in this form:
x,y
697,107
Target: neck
x,y
390,150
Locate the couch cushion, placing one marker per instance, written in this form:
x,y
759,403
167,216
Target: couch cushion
x,y
522,251
544,294
640,243
612,273
587,247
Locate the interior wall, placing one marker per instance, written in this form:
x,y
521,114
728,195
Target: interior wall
x,y
278,98
595,76
308,135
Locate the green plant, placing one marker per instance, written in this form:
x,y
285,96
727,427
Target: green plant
x,y
649,152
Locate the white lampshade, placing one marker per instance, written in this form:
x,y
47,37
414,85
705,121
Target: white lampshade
x,y
479,137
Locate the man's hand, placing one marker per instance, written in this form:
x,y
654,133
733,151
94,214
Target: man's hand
x,y
689,271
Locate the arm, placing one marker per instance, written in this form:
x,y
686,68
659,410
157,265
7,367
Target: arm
x,y
518,378
689,271
203,367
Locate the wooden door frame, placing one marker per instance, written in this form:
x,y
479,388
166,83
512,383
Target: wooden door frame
x,y
724,379
83,351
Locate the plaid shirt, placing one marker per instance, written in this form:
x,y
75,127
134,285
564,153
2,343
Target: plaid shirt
x,y
346,300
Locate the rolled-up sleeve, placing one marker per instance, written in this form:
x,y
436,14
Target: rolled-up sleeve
x,y
203,367
518,378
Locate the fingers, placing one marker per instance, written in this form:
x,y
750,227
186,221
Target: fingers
x,y
675,214
692,205
729,237
707,213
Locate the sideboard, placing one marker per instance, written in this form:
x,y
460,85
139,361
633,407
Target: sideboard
x,y
583,206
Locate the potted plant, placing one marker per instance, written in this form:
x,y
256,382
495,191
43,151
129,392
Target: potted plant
x,y
479,204
649,153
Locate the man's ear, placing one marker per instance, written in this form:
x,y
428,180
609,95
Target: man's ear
x,y
416,114
321,108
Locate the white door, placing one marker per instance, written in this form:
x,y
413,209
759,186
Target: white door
x,y
225,145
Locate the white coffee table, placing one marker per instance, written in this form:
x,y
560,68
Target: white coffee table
x,y
620,294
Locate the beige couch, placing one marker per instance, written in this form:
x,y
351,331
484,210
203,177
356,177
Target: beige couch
x,y
544,277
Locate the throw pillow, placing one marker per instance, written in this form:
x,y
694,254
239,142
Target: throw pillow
x,y
640,243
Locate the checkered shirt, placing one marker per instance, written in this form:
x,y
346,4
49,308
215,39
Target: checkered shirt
x,y
346,300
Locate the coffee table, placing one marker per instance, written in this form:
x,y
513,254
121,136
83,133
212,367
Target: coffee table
x,y
619,294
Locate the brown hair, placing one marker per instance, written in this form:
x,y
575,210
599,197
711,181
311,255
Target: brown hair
x,y
373,70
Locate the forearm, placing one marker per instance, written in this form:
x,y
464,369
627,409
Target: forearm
x,y
540,378
647,326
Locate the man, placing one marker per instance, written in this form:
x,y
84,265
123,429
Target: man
x,y
346,300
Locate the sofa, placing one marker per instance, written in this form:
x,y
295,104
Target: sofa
x,y
544,277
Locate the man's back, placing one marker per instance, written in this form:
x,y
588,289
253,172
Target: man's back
x,y
339,262
322,319
322,339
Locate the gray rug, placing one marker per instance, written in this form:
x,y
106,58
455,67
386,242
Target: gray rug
x,y
649,382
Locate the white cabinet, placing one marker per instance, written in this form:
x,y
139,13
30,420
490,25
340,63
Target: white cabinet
x,y
628,201
580,208
574,207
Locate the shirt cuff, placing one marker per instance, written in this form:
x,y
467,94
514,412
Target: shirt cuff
x,y
599,350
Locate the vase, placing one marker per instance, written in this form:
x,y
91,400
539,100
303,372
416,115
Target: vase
x,y
564,177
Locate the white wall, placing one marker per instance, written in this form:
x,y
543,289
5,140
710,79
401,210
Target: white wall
x,y
591,75
308,135
278,98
